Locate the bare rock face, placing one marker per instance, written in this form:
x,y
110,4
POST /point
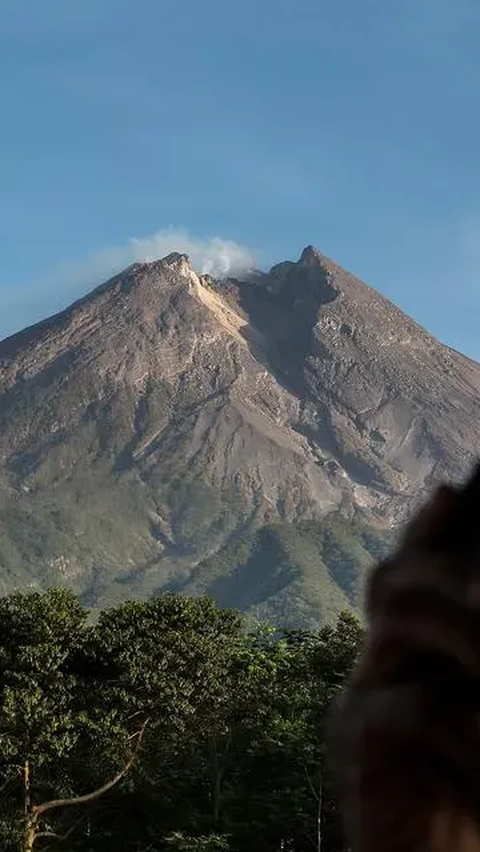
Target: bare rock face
x,y
168,428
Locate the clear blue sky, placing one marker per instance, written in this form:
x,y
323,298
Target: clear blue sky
x,y
350,124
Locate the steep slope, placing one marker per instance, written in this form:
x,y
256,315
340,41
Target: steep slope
x,y
256,439
395,407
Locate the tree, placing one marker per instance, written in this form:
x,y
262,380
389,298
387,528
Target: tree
x,y
44,714
38,721
35,814
234,750
167,658
287,791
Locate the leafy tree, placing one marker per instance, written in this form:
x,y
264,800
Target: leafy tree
x,y
168,659
43,724
230,719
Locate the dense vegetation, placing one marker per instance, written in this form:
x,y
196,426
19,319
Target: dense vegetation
x,y
294,574
166,725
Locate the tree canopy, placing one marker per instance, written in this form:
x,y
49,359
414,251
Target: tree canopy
x,y
170,724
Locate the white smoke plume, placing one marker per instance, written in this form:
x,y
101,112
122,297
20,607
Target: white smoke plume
x,y
213,256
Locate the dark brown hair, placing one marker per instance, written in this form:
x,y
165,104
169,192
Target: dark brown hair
x,y
405,735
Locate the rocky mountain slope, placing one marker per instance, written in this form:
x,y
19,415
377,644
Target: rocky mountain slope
x,y
259,439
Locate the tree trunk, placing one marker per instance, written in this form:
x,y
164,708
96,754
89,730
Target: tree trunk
x,y
30,829
30,835
35,813
319,817
26,788
217,781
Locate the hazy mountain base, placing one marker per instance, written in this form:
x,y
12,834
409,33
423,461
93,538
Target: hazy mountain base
x,y
287,573
303,574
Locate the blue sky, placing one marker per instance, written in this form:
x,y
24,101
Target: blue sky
x,y
350,124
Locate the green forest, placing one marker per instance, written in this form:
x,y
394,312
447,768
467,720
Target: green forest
x,y
163,726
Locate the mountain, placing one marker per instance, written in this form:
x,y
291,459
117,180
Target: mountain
x,y
257,439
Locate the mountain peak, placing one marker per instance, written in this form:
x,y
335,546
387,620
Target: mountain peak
x,y
176,258
311,255
177,261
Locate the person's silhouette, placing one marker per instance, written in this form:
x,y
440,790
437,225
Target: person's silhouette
x,y
405,737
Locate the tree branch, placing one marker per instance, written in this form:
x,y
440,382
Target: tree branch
x,y
39,810
41,835
310,783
